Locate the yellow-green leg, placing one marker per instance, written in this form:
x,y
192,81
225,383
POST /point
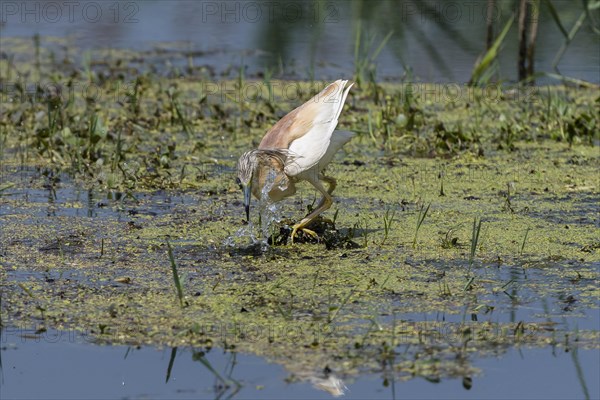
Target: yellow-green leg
x,y
323,205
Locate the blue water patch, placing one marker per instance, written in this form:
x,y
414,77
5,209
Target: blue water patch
x,y
66,365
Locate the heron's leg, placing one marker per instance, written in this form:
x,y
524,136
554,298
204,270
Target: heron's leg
x,y
324,204
332,185
331,181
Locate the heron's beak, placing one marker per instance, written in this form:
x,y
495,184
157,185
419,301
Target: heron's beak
x,y
247,192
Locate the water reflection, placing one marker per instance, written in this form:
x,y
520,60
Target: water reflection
x,y
331,384
68,365
433,40
226,386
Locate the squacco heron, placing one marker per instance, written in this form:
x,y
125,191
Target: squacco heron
x,y
297,148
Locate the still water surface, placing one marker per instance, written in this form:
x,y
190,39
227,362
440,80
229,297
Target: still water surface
x,y
61,365
431,41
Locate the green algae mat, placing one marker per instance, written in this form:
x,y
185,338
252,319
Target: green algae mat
x,y
465,222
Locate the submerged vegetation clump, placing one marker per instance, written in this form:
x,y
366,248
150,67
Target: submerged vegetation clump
x,y
118,194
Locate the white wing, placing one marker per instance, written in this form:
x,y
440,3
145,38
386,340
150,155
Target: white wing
x,y
338,139
312,147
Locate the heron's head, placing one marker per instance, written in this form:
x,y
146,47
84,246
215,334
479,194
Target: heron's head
x,y
249,163
246,166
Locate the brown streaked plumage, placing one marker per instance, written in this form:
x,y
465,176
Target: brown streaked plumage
x,y
296,123
298,147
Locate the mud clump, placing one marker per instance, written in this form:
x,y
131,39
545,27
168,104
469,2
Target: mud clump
x,y
324,228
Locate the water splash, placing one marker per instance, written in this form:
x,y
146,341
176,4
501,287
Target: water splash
x,y
269,212
237,239
268,217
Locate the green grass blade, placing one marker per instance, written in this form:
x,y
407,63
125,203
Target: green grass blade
x,y
420,219
524,240
568,40
491,55
201,358
382,45
573,81
6,186
357,67
556,18
171,362
579,371
175,274
337,310
589,7
474,240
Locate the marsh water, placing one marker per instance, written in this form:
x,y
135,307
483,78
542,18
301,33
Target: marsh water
x,y
78,364
460,259
66,366
433,41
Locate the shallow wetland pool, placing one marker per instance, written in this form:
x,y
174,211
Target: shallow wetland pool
x,y
461,256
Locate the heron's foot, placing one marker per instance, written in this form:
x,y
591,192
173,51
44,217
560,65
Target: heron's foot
x,y
305,230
